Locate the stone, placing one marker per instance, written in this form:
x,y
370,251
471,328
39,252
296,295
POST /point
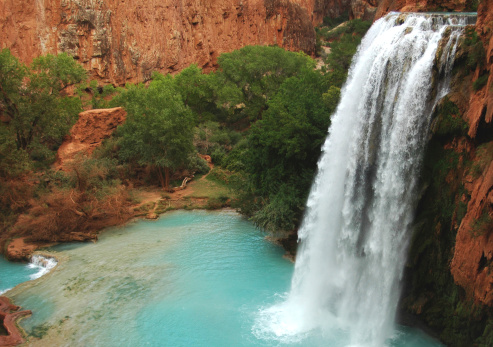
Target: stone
x,y
88,133
119,43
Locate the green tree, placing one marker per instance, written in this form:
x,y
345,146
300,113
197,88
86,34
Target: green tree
x,y
250,76
159,128
284,147
31,99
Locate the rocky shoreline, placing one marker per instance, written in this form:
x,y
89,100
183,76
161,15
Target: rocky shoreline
x,y
9,315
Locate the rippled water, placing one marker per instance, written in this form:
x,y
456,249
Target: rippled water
x,y
188,279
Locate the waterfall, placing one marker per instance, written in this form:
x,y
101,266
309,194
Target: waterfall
x,y
355,233
42,265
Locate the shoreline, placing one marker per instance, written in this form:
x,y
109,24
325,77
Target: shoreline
x,y
11,315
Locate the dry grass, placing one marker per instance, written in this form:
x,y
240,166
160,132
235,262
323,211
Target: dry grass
x,y
69,215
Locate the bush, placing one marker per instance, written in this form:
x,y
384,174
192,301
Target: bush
x,y
198,165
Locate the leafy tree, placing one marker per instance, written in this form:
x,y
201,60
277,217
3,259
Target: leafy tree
x,y
197,91
250,76
284,147
159,128
31,99
99,95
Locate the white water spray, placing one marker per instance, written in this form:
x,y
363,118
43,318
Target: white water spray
x,y
42,264
356,230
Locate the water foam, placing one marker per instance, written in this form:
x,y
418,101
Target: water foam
x,y
42,264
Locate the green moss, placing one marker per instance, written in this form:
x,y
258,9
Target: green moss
x,y
483,224
39,331
480,82
476,55
449,120
484,156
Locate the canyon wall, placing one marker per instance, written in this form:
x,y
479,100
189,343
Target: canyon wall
x,y
472,263
121,41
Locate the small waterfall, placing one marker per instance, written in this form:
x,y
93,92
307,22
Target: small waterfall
x,y
355,233
42,264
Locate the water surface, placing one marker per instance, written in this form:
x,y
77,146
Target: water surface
x,y
188,279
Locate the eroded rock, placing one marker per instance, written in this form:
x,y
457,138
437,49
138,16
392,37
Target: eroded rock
x,y
91,129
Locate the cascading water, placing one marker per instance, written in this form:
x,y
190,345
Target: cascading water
x,y
356,230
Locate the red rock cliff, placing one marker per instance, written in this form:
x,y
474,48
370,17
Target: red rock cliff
x,y
472,264
122,41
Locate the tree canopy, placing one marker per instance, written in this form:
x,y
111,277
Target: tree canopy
x,y
35,112
159,128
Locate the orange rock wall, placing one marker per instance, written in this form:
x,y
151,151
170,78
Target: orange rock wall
x,y
473,256
122,41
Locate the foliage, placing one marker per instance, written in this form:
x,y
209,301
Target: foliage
x,y
355,27
281,212
480,82
430,290
93,175
36,113
484,156
197,165
449,120
283,149
57,215
159,128
476,56
13,161
472,5
197,91
100,95
212,136
250,76
333,22
483,225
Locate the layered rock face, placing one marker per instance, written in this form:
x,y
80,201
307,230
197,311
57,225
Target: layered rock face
x,y
472,264
122,41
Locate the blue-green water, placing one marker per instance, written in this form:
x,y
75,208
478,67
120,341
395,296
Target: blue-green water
x,y
12,274
189,279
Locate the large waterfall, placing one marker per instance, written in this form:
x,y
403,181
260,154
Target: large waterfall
x,y
355,233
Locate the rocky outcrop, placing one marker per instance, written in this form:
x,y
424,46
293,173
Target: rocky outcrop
x,y
91,129
122,42
19,250
8,315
